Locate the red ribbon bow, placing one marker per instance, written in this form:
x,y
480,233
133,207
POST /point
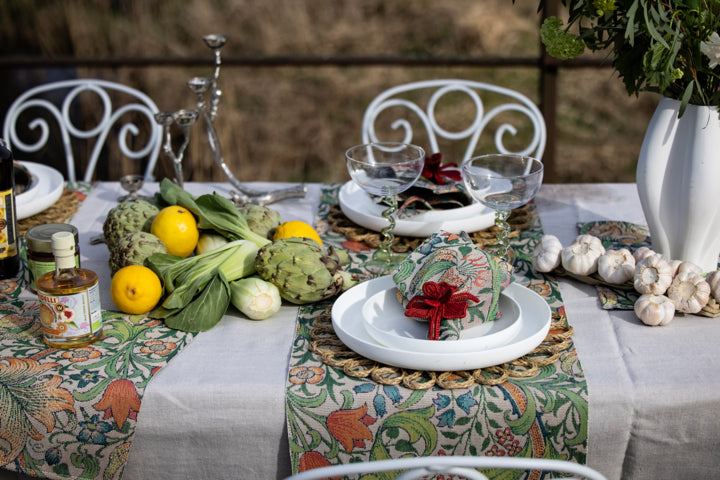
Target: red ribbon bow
x,y
437,173
439,302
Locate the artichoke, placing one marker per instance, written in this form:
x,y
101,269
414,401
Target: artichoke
x,y
133,248
128,217
261,219
303,270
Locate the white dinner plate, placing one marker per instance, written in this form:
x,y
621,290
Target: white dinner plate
x,y
44,191
387,324
360,208
347,319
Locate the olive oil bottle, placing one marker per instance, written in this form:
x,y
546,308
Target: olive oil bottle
x,y
9,255
70,313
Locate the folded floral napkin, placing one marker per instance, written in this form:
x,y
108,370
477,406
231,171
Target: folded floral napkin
x,y
451,283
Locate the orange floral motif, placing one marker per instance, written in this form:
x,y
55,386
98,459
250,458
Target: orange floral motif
x,y
8,286
542,289
81,354
30,396
300,375
349,427
158,347
312,460
120,401
355,246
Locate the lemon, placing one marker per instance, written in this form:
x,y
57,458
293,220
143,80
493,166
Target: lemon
x,y
177,229
135,289
296,228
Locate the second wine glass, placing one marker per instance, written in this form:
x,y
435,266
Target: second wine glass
x,y
503,182
385,169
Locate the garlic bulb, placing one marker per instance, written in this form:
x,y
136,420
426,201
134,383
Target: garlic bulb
x,y
642,252
713,279
616,266
689,292
546,255
675,265
653,275
689,267
581,258
654,310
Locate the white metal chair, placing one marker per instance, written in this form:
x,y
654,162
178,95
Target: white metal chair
x,y
504,106
419,467
132,117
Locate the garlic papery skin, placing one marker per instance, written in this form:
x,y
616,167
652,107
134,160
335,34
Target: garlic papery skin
x,y
653,275
616,266
675,265
546,254
641,253
713,279
689,292
581,258
654,310
688,267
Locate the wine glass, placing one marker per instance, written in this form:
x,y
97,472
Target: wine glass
x,y
385,169
502,182
131,184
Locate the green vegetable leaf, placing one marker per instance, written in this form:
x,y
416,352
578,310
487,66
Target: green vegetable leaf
x,y
205,311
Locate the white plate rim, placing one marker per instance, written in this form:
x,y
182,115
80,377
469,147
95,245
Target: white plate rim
x,y
358,206
44,194
509,329
348,325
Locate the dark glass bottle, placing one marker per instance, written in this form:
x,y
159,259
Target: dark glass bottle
x,y
9,255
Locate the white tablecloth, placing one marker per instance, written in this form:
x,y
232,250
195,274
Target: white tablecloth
x,y
217,410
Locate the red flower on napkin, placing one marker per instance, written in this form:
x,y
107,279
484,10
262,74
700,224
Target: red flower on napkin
x,y
437,173
439,302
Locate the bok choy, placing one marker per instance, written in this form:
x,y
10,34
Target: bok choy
x,y
197,291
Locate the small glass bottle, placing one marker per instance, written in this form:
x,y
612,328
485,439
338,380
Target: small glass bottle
x,y
40,258
70,313
9,255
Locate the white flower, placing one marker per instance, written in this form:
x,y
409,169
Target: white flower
x,y
711,49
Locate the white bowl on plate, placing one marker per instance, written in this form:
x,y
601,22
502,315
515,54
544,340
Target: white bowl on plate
x,y
386,322
43,192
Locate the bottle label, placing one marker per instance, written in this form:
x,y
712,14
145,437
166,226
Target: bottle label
x,y
71,315
8,245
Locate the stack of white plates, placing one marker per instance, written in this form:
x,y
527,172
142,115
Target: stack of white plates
x,y
370,320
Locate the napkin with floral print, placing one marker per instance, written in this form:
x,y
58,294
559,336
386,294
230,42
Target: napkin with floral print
x,y
452,284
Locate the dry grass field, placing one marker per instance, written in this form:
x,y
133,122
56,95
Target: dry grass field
x,y
293,124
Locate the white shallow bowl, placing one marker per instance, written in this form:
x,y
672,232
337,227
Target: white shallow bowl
x,y
387,324
349,325
43,193
360,208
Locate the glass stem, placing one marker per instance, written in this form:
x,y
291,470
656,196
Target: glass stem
x,y
501,217
387,232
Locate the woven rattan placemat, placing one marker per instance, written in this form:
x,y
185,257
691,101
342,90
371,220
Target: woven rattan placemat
x,y
520,219
60,212
333,352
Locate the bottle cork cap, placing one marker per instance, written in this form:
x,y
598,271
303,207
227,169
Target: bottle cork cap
x,y
63,244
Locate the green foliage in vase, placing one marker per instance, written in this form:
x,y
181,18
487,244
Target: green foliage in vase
x,y
671,47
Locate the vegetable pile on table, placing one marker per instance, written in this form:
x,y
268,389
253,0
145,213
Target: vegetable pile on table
x,y
235,261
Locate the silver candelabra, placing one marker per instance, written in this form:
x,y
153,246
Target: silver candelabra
x,y
208,110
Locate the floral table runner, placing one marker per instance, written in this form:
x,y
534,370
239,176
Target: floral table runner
x,y
336,418
72,413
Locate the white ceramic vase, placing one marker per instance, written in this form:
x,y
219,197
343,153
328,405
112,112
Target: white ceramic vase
x,y
678,180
